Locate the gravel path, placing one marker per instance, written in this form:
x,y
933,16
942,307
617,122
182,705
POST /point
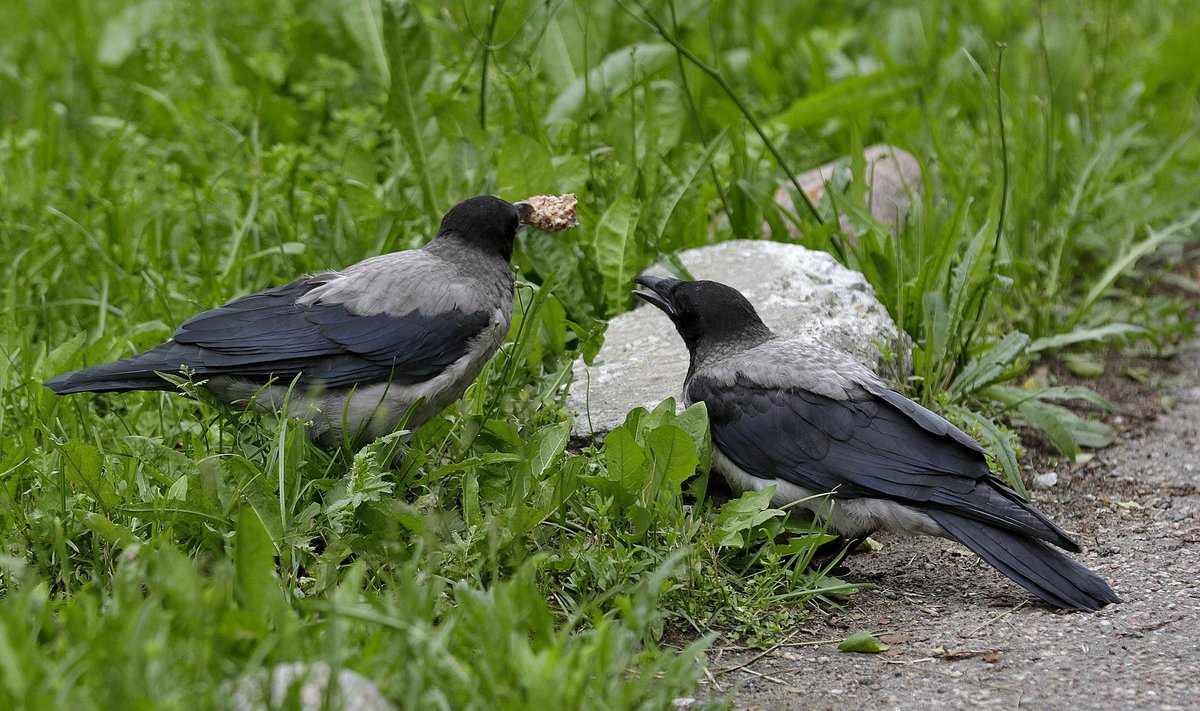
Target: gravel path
x,y
962,636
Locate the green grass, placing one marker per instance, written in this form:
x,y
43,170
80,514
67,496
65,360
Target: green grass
x,y
161,157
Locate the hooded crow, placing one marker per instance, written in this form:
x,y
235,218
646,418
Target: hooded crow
x,y
833,438
365,345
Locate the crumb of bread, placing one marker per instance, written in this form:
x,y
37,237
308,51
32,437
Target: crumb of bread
x,y
552,213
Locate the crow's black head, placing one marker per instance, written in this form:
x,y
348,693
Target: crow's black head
x,y
707,314
485,221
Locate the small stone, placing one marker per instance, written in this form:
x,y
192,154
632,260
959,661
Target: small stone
x,y
355,691
683,702
893,178
1045,481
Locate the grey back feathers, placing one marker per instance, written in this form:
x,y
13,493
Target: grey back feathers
x,y
365,345
835,439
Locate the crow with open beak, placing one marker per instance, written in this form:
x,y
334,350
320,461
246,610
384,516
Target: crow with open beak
x,y
835,439
365,345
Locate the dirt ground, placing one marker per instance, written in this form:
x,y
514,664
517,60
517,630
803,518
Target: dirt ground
x,y
962,636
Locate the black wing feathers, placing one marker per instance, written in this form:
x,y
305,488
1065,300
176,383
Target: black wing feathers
x,y
862,447
267,323
267,335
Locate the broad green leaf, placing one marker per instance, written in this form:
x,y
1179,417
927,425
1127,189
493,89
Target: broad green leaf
x,y
1085,365
1046,419
507,432
616,73
673,455
618,251
990,365
63,353
515,17
546,448
179,489
964,282
668,203
470,499
664,411
852,97
557,65
1074,392
161,462
936,324
102,526
1011,396
85,464
1066,430
159,511
738,517
409,54
625,460
641,518
258,588
1084,335
634,419
1155,240
807,543
470,463
694,421
862,641
363,20
1085,432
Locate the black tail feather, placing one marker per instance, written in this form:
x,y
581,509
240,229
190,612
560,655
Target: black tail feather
x,y
1044,571
139,372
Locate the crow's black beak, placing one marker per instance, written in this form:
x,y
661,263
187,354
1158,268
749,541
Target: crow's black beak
x,y
657,291
524,212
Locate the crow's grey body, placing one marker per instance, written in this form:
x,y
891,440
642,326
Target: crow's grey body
x,y
478,291
401,332
835,439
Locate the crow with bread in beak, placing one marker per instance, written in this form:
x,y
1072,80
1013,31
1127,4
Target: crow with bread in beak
x,y
833,438
355,350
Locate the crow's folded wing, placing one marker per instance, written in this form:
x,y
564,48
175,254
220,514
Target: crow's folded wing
x,y
268,335
861,446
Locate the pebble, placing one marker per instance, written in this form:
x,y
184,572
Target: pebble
x,y
249,692
1045,481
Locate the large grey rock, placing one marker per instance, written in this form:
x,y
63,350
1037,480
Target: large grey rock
x,y
355,692
893,178
797,291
